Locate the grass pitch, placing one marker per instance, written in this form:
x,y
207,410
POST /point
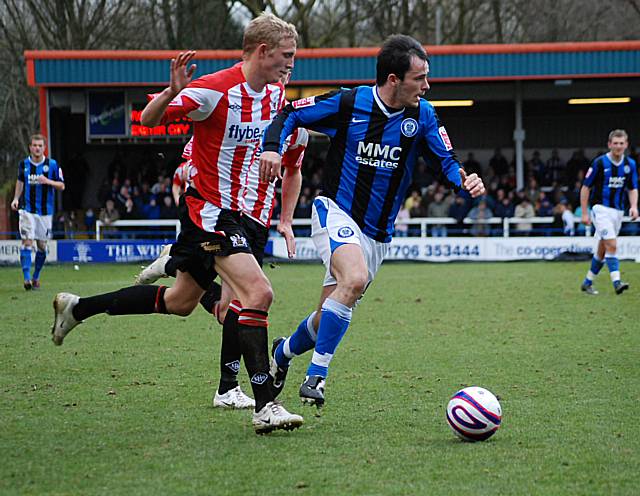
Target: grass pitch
x,y
124,407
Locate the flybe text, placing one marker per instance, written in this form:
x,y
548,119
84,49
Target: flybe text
x,y
378,155
245,133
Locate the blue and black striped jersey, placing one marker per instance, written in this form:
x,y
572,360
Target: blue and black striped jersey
x,y
38,198
373,151
608,181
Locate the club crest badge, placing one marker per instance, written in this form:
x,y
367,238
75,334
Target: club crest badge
x,y
409,127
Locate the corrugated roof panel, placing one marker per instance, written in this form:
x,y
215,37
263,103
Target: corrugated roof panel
x,y
469,66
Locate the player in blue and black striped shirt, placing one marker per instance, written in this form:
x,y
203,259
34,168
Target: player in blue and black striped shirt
x,y
377,134
605,183
34,198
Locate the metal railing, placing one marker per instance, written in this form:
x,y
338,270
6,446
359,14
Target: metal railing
x,y
422,224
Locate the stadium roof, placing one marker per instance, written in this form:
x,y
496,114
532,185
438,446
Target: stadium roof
x,y
334,66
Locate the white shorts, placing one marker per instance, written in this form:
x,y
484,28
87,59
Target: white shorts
x,y
332,227
606,221
34,226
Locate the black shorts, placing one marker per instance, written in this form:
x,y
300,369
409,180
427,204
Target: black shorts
x,y
257,235
195,249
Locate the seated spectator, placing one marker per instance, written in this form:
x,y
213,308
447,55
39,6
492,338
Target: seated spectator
x,y
504,205
479,214
108,215
401,227
413,199
168,210
438,208
524,210
544,207
458,210
418,209
151,210
532,190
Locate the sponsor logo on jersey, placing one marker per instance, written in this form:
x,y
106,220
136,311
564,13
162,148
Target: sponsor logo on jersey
x,y
616,182
236,107
445,138
345,232
304,102
238,241
409,127
259,378
245,133
378,155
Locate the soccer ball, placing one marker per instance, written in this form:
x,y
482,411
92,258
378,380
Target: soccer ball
x,y
474,414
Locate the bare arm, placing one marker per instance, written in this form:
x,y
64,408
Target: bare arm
x,y
633,203
584,204
16,194
291,183
180,76
175,192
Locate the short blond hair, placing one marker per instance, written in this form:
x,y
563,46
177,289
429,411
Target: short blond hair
x,y
267,29
618,133
38,137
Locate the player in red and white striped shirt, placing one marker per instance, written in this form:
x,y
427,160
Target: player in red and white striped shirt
x,y
230,110
258,201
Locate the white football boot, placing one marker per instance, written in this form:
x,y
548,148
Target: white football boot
x,y
234,398
154,271
64,321
273,416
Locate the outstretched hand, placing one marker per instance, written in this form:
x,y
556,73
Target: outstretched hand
x,y
181,75
473,184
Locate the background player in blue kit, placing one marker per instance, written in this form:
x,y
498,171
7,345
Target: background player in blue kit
x,y
377,133
605,182
38,179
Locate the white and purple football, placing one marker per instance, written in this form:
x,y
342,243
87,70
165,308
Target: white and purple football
x,y
474,414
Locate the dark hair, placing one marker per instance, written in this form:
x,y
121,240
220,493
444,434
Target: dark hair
x,y
395,57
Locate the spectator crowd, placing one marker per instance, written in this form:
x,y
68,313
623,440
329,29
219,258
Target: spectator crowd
x,y
552,189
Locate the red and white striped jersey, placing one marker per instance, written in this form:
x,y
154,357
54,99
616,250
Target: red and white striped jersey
x,y
186,151
258,200
182,174
229,121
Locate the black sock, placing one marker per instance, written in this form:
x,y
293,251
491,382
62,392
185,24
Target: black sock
x,y
252,335
213,294
127,301
230,353
171,267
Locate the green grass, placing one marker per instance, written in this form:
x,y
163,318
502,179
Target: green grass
x,y
124,406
